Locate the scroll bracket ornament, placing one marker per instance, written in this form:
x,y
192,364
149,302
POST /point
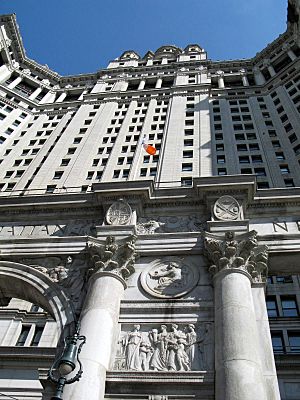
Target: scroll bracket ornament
x,y
240,252
112,257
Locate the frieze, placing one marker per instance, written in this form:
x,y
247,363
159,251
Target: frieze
x,y
164,224
74,228
166,347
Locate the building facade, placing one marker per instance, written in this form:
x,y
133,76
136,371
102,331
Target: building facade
x,y
182,267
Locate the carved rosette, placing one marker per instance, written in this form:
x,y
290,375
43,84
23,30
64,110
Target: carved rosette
x,y
237,252
116,258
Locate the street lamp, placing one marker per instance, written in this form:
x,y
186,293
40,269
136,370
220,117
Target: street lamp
x,y
66,363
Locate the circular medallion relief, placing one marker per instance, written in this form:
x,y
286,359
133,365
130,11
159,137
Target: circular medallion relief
x,y
169,278
227,208
119,213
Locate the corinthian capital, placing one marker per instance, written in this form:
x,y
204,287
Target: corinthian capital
x,y
237,252
117,258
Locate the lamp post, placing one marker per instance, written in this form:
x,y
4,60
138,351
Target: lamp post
x,y
66,363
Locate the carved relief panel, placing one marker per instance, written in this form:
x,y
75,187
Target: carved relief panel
x,y
166,347
169,277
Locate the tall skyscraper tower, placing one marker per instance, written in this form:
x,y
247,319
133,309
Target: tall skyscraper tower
x,y
164,259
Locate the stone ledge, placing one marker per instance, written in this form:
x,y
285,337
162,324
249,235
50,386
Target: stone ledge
x,y
161,376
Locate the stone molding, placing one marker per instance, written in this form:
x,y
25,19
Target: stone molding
x,y
237,253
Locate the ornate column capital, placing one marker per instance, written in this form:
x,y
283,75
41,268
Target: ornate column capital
x,y
242,253
114,258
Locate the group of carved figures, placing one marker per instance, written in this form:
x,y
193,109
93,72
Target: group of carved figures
x,y
168,350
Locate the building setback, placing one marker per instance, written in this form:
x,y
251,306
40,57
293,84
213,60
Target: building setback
x,y
182,267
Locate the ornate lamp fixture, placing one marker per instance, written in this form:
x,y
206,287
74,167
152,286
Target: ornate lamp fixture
x,y
66,363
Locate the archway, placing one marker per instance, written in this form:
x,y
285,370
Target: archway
x,y
26,283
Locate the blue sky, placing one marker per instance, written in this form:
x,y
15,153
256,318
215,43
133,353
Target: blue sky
x,y
79,36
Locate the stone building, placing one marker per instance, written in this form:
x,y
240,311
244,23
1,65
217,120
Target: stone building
x,y
164,259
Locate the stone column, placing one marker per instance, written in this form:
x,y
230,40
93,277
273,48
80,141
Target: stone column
x,y
111,263
220,79
271,70
37,91
238,364
244,77
142,84
61,97
15,82
158,83
5,73
258,76
287,47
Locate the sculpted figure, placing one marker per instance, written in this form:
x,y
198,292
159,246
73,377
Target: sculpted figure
x,y
166,276
192,347
133,343
159,344
145,355
182,357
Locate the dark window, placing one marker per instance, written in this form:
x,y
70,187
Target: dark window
x,y
272,306
277,342
284,279
222,171
37,336
23,336
289,306
294,342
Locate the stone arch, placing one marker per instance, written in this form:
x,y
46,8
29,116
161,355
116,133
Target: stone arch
x,y
26,283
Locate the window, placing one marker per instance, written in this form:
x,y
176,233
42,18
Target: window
x,y
277,342
58,174
222,171
219,136
153,171
241,147
220,147
221,159
37,335
244,160
260,172
239,136
263,185
256,159
293,138
246,171
187,167
125,173
50,188
280,156
284,279
187,154
289,182
116,173
253,146
272,306
294,342
186,181
284,169
276,143
289,306
71,150
143,172
23,336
